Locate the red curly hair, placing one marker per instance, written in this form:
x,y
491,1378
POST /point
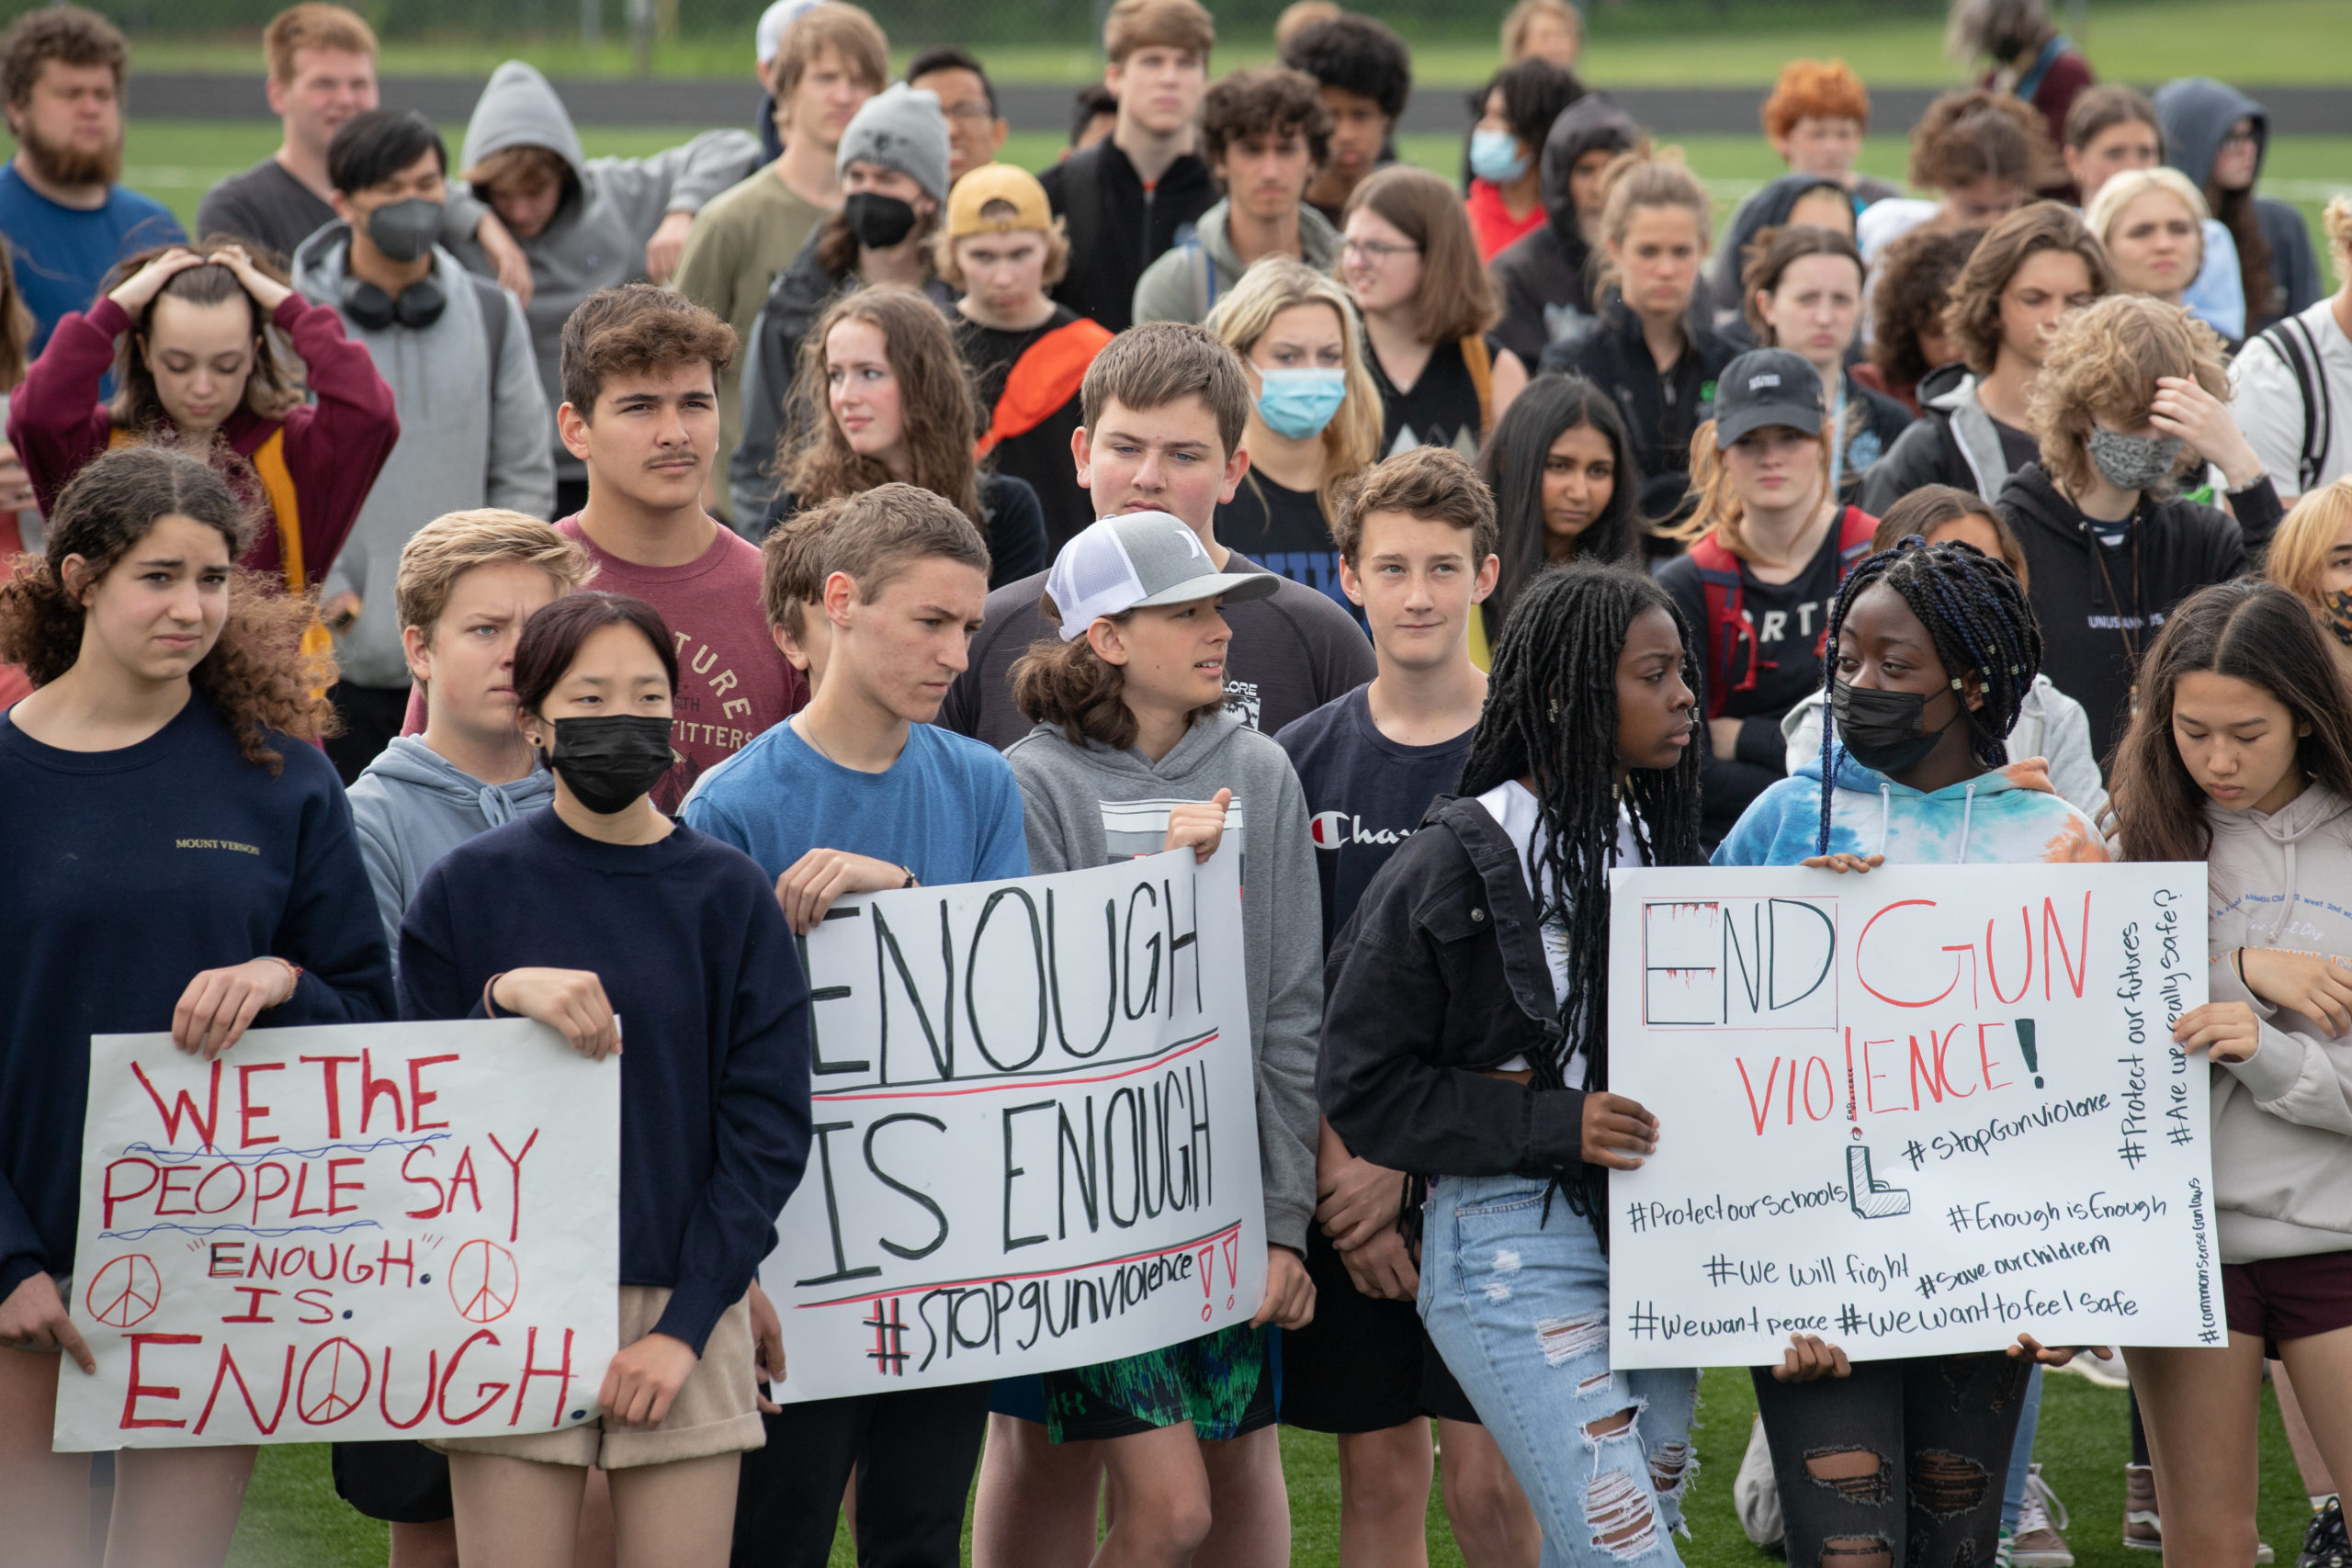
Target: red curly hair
x,y
1815,89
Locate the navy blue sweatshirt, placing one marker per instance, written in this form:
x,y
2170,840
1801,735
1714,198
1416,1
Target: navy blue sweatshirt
x,y
697,960
130,872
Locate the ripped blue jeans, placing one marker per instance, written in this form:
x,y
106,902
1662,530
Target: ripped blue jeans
x,y
1520,1310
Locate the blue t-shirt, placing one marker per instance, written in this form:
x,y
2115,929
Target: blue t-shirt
x,y
61,253
947,809
1365,794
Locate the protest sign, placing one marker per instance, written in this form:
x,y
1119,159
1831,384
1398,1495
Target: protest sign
x,y
1916,1111
368,1230
1037,1137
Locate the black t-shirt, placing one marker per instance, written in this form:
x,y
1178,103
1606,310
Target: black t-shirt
x,y
1291,654
1365,794
1441,409
2018,447
265,206
1284,531
1039,456
1789,622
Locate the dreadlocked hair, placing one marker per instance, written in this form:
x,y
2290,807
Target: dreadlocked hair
x,y
1552,712
1975,612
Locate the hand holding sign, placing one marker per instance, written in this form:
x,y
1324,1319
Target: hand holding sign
x,y
1616,1130
219,1005
1198,825
570,1001
33,1318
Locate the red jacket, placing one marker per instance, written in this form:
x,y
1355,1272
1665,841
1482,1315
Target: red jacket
x,y
333,447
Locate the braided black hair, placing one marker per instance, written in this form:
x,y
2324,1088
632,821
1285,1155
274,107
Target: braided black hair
x,y
1552,712
1975,612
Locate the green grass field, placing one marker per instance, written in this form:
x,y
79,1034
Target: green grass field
x,y
2244,41
293,1519
177,161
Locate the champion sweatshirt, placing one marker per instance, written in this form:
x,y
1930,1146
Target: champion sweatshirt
x,y
1091,805
696,958
2282,1118
135,871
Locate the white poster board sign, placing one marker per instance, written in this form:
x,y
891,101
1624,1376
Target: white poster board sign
x,y
1916,1111
1036,1140
368,1230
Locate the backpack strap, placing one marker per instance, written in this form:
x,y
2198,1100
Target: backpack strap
x,y
2311,385
1481,364
1856,529
493,320
1082,183
1726,629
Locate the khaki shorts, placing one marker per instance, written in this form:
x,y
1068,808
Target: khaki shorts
x,y
716,1411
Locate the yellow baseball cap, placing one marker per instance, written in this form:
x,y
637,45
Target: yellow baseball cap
x,y
996,199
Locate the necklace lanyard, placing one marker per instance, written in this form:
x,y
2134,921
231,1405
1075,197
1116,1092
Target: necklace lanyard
x,y
2128,633
1837,439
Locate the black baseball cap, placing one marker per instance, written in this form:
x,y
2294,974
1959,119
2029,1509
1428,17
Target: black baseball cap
x,y
1767,386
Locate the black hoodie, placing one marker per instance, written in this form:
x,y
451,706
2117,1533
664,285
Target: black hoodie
x,y
2101,606
1124,227
1661,411
1543,275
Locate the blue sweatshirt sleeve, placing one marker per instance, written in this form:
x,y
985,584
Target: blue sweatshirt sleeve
x,y
764,1130
331,926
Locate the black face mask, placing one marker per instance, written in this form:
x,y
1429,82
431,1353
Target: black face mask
x,y
1885,731
879,221
609,761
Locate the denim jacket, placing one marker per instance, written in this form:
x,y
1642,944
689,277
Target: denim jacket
x,y
1439,976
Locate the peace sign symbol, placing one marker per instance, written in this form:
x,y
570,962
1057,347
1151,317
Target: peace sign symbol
x,y
125,1292
331,1395
483,1281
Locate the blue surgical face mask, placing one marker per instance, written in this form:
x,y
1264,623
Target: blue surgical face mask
x,y
1495,156
1299,403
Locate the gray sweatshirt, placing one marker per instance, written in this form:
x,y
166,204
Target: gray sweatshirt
x,y
412,805
458,447
1092,806
1202,267
610,209
2282,1118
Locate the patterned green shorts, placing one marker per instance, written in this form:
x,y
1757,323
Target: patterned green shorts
x,y
1220,1382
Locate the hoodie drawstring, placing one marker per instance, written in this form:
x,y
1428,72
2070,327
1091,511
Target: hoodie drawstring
x,y
496,809
1886,816
1967,811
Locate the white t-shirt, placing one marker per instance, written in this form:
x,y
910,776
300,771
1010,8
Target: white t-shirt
x,y
2269,410
1515,810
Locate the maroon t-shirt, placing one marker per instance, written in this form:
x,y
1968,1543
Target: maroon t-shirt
x,y
733,682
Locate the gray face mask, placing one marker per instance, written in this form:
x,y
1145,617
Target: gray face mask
x,y
405,230
2133,462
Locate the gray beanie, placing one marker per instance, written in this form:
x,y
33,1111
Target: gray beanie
x,y
900,128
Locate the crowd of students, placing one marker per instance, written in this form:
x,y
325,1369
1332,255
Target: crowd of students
x,y
545,590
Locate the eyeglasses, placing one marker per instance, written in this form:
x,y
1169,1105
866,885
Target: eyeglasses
x,y
2239,138
1376,251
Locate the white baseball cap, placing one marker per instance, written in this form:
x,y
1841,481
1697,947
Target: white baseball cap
x,y
1137,560
769,36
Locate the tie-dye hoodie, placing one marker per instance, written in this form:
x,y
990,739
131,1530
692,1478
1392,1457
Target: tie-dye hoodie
x,y
2003,818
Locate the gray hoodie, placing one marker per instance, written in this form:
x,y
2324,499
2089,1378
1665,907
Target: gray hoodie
x,y
2282,1119
411,806
610,209
457,448
1201,268
1092,806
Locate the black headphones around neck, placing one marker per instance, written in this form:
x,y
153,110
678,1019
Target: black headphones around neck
x,y
419,305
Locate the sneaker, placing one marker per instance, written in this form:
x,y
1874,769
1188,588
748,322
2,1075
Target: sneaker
x,y
2037,1543
2004,1549
2142,1530
2263,1556
2325,1542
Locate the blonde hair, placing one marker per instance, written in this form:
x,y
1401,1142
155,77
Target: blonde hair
x,y
1158,24
2299,550
847,31
312,25
1352,441
1521,19
1640,179
951,271
1719,507
2121,190
2104,359
532,165
2336,220
456,542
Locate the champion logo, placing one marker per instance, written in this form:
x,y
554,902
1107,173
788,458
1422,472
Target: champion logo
x,y
1336,829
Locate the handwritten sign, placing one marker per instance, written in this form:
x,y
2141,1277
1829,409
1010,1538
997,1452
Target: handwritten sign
x,y
370,1231
1036,1130
1916,1113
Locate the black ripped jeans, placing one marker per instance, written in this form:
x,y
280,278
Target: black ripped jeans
x,y
1899,1465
